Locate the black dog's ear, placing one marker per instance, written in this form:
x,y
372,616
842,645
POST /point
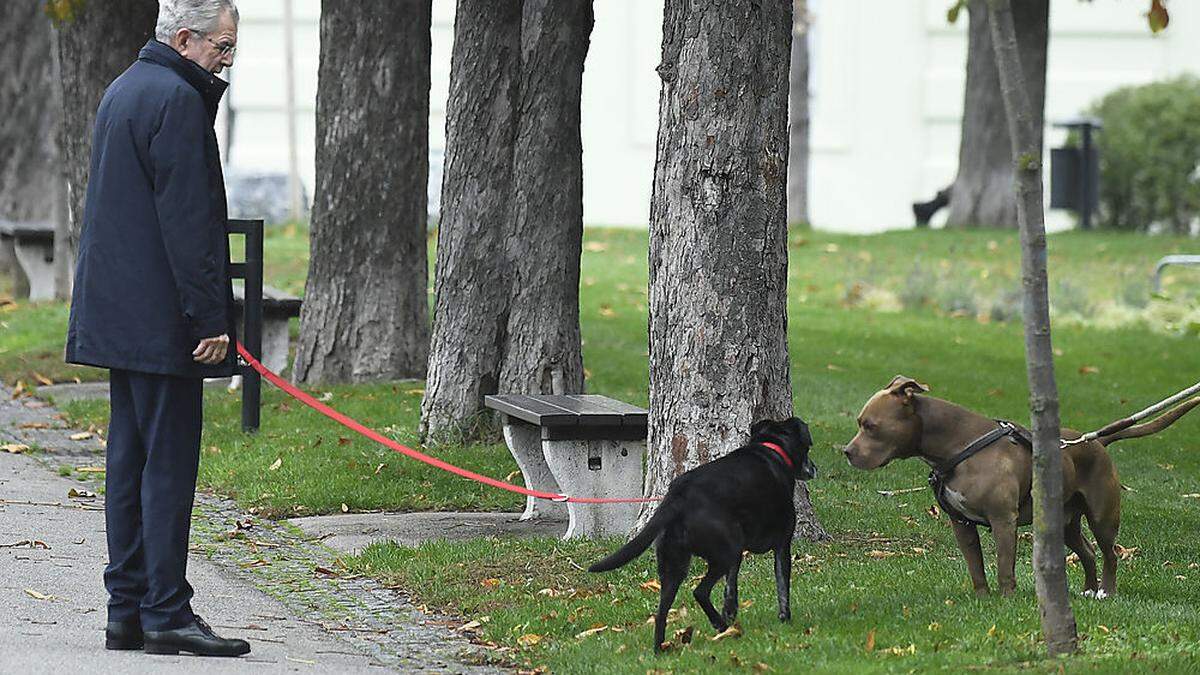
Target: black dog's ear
x,y
759,427
801,430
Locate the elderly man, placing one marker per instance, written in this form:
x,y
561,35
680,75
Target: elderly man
x,y
153,304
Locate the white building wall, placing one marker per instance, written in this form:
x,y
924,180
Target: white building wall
x,y
887,87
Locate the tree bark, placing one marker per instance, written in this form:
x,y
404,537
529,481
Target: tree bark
x,y
718,233
27,132
473,276
798,117
365,312
982,194
542,354
1049,566
507,308
97,42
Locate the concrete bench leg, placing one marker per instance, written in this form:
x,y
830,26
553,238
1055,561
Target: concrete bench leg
x,y
525,444
598,469
9,266
37,261
275,344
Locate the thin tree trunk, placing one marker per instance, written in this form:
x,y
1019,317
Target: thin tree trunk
x,y
473,274
982,194
542,354
365,312
1049,566
798,117
64,255
97,42
718,233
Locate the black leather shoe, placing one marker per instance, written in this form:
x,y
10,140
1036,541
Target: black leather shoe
x,y
196,638
123,635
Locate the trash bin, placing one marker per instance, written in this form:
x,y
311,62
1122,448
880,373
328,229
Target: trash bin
x,y
1075,172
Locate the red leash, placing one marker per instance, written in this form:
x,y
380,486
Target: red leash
x,y
409,452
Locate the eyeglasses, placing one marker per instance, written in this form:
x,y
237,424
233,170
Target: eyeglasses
x,y
223,48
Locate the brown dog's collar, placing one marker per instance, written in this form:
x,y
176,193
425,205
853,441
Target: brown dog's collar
x,y
779,451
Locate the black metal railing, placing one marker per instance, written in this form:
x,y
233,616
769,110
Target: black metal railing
x,y
251,271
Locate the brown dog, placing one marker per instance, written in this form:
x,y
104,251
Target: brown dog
x,y
992,486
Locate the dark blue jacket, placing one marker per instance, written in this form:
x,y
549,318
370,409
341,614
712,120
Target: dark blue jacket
x,y
152,274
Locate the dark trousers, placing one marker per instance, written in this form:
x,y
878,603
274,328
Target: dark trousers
x,y
150,481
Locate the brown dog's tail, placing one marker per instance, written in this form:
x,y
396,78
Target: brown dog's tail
x,y
1154,426
642,540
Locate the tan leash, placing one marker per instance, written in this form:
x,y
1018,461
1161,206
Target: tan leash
x,y
1126,422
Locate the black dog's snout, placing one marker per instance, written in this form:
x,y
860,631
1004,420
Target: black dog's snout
x,y
809,470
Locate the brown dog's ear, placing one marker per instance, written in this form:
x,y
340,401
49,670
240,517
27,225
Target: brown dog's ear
x,y
905,387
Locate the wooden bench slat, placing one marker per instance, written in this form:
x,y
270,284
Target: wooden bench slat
x,y
588,412
530,410
275,301
631,415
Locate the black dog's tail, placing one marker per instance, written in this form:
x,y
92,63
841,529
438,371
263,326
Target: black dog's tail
x,y
642,540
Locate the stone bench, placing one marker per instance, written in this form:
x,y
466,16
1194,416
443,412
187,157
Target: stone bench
x,y
28,248
579,445
277,308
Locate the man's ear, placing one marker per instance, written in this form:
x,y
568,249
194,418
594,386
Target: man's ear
x,y
905,387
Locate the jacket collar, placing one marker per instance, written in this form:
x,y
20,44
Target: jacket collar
x,y
210,87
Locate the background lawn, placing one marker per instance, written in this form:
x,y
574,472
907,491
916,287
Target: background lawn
x,y
938,306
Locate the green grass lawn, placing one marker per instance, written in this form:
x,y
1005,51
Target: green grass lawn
x,y
938,306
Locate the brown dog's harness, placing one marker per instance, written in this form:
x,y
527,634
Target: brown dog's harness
x,y
939,475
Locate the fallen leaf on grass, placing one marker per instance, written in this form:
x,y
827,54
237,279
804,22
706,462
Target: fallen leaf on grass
x,y
35,425
1088,370
590,632
684,635
42,379
910,650
378,469
870,640
893,493
325,571
81,436
345,508
90,469
511,475
276,464
1125,553
529,639
731,632
342,440
880,554
490,583
1190,495
14,448
651,585
595,247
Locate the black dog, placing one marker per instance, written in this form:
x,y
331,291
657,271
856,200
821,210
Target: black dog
x,y
740,502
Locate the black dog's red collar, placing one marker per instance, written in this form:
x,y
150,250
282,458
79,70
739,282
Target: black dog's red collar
x,y
779,451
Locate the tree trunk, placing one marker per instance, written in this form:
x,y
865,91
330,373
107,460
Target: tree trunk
x,y
982,194
1049,566
718,233
473,275
27,168
542,354
507,309
97,42
365,312
798,117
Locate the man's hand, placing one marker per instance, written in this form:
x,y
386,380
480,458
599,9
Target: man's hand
x,y
212,350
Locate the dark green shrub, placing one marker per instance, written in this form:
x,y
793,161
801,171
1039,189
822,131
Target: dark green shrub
x,y
1149,153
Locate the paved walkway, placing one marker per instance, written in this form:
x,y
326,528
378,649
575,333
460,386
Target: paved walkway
x,y
52,553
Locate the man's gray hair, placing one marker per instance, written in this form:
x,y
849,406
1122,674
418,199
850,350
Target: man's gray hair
x,y
201,16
